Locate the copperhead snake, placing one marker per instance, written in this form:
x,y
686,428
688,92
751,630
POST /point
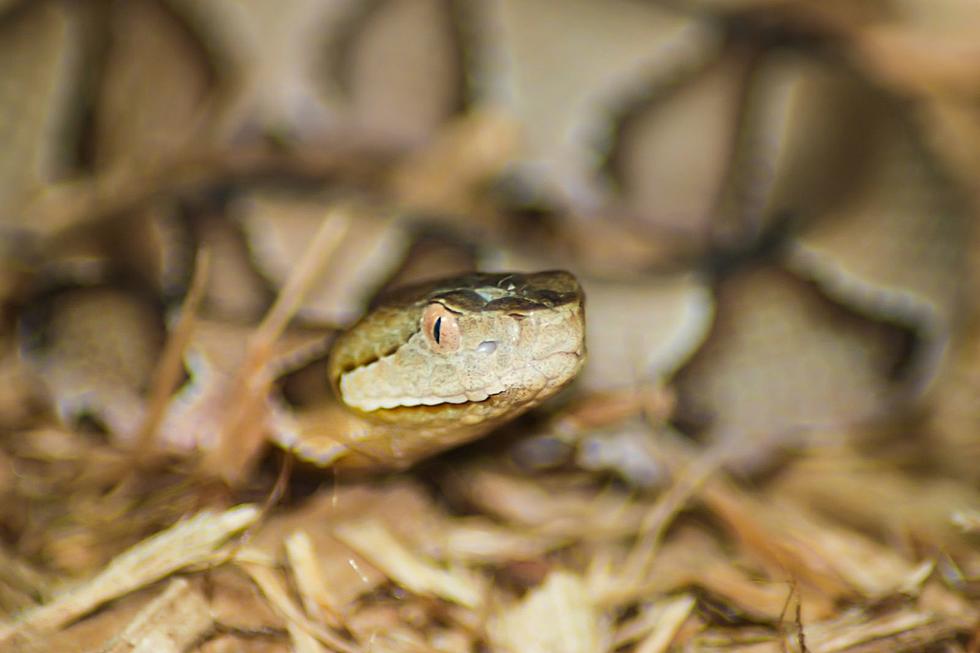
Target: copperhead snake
x,y
440,363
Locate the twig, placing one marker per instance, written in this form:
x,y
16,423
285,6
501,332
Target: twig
x,y
244,429
168,372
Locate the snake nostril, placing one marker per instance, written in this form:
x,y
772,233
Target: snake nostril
x,y
487,347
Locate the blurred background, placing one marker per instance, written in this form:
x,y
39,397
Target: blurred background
x,y
771,205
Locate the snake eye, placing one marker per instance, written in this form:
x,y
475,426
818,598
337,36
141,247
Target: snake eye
x,y
440,328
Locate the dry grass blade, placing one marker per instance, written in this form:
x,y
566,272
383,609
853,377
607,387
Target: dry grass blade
x,y
302,641
904,630
244,429
331,232
170,366
690,479
788,538
188,543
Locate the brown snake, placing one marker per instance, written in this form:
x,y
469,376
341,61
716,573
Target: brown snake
x,y
441,363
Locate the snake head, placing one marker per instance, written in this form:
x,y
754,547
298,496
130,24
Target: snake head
x,y
465,350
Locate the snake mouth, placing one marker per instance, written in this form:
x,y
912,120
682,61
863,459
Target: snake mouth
x,y
391,403
553,380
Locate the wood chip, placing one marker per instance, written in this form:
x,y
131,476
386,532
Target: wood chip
x,y
374,541
557,617
273,586
190,542
318,602
670,615
176,619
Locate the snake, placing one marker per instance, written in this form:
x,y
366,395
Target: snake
x,y
437,364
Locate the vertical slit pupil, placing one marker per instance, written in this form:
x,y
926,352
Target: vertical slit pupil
x,y
437,329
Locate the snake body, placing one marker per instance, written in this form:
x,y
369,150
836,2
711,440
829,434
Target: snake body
x,y
441,363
